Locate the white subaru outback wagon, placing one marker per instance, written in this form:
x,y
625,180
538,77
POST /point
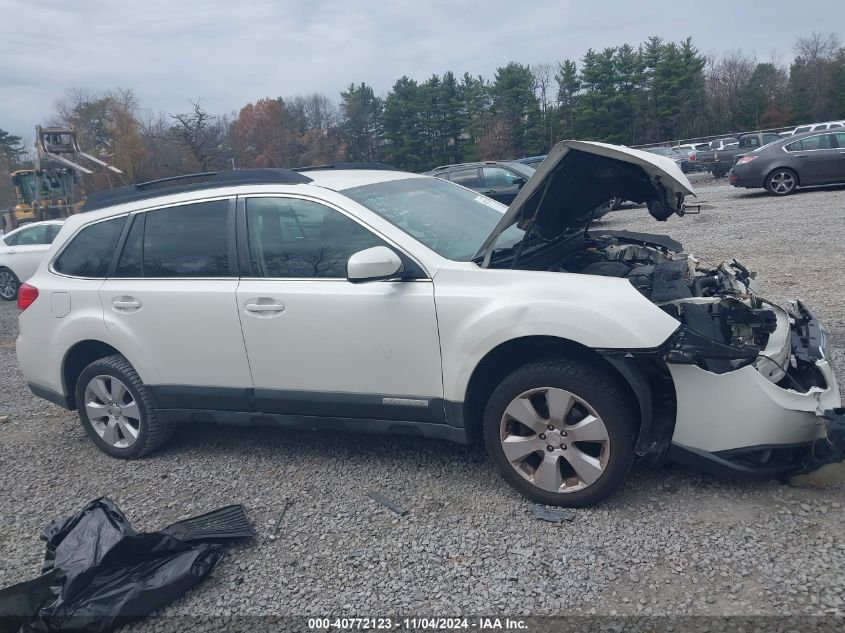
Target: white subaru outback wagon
x,y
369,299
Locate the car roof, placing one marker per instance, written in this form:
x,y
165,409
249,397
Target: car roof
x,y
333,179
339,179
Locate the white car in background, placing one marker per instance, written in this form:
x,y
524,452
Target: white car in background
x,y
815,127
21,251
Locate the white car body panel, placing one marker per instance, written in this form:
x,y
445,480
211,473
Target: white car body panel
x,y
185,332
479,309
659,169
336,336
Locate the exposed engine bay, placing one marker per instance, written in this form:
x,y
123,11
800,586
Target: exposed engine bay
x,y
726,324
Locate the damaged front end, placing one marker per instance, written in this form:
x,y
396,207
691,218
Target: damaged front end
x,y
755,391
744,385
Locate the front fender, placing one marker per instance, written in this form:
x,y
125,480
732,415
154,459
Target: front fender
x,y
478,310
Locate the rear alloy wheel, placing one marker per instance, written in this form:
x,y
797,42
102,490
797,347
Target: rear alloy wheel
x,y
561,432
116,411
782,182
9,285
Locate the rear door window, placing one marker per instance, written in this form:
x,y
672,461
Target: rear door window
x,y
466,177
189,240
820,141
89,254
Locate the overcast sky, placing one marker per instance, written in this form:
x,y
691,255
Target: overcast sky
x,y
228,53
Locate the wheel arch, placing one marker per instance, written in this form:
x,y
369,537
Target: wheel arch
x,y
77,358
782,167
646,379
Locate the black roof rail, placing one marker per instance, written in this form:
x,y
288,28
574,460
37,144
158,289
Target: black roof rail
x,y
377,166
192,182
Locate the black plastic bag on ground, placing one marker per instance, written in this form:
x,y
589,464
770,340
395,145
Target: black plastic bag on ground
x,y
103,574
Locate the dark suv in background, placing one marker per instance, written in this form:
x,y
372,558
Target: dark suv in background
x,y
500,180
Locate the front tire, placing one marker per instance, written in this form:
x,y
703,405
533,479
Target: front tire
x,y
561,432
782,182
115,409
9,285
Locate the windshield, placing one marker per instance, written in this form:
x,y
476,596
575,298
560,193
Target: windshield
x,y
448,219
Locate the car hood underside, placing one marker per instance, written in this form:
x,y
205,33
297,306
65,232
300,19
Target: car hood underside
x,y
577,177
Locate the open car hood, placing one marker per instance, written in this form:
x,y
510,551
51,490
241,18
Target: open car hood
x,y
579,176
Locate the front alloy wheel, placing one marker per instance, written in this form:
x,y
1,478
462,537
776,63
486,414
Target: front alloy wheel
x,y
555,440
561,431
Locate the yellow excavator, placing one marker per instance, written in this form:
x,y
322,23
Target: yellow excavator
x,y
55,187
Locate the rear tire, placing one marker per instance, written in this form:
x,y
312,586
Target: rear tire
x,y
9,285
782,182
115,409
533,422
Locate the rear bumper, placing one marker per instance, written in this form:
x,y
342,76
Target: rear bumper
x,y
744,180
40,362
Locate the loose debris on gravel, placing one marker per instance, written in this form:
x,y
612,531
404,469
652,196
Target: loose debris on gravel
x,y
670,541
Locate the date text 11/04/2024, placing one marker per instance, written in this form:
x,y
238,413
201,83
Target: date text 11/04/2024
x,y
415,624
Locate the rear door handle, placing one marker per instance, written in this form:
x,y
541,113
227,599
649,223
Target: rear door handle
x,y
11,250
800,156
264,306
126,304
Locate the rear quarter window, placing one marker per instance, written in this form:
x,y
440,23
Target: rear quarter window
x,y
90,252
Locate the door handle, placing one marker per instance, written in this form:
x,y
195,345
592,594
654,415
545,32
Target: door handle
x,y
253,306
489,193
125,304
11,250
800,156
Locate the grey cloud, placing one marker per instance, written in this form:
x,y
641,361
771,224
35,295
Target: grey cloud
x,y
229,53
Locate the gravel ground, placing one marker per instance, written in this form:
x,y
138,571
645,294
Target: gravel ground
x,y
670,542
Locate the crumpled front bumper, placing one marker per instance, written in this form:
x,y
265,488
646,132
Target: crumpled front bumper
x,y
740,423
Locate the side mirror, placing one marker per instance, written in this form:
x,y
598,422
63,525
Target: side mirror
x,y
373,264
518,181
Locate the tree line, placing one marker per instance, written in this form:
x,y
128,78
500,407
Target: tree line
x,y
656,91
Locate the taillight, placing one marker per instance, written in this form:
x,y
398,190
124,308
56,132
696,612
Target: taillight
x,y
692,156
745,159
26,296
